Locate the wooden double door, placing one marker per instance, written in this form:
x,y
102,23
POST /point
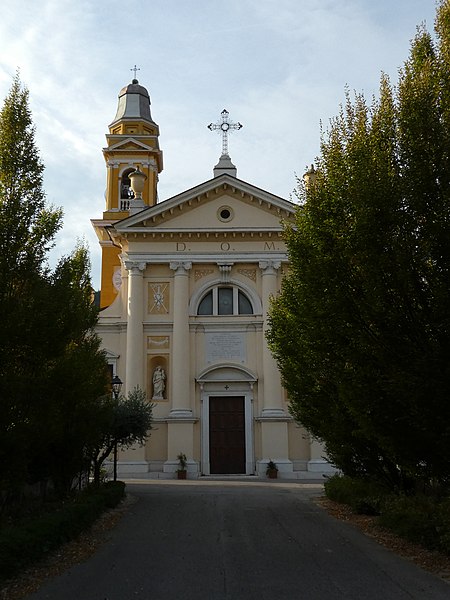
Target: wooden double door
x,y
227,434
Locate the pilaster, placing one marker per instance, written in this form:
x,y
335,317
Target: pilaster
x,y
273,393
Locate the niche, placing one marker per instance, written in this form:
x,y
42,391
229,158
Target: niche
x,y
158,378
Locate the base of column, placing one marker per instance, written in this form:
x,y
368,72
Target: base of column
x,y
274,414
127,469
320,465
181,413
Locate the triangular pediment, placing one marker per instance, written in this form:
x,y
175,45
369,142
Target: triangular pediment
x,y
223,203
129,144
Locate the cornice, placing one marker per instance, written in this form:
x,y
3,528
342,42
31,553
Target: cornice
x,y
207,190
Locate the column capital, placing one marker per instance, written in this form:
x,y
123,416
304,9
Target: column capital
x,y
269,267
134,266
181,267
112,163
150,164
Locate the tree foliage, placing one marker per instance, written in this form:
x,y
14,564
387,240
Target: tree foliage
x,y
27,229
361,329
129,422
52,370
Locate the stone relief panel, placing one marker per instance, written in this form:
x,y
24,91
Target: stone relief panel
x,y
158,342
250,273
158,298
200,273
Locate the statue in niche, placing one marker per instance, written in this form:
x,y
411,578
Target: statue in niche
x,y
159,383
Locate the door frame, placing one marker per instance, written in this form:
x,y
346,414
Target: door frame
x,y
225,379
248,426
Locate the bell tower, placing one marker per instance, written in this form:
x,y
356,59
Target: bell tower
x,y
132,149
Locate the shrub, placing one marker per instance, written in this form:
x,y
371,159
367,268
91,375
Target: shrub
x,y
420,519
362,495
30,540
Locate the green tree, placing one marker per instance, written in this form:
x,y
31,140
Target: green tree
x,y
361,330
27,230
73,380
52,370
130,422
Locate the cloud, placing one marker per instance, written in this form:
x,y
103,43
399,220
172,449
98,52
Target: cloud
x,y
278,66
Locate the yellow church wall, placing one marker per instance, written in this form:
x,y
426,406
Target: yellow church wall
x,y
156,446
110,262
299,446
257,439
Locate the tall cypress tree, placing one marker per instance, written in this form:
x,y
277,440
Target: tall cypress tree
x,y
361,329
27,230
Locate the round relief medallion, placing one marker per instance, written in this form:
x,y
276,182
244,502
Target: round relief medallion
x,y
117,279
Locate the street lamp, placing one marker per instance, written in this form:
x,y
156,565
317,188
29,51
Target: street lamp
x,y
116,385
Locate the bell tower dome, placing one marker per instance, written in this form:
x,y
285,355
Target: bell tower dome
x,y
133,142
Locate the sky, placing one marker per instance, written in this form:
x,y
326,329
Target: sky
x,y
280,67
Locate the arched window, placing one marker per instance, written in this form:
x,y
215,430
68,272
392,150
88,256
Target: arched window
x,y
225,300
125,186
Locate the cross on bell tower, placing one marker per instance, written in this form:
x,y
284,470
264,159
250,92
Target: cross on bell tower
x,y
135,69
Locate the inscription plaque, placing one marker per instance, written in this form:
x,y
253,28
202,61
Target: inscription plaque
x,y
225,346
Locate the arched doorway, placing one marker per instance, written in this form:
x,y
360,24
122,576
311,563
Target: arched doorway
x,y
227,420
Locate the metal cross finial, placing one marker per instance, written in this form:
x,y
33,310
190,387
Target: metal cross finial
x,y
224,127
135,68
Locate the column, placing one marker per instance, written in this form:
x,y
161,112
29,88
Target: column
x,y
180,423
180,341
134,370
274,420
111,185
132,461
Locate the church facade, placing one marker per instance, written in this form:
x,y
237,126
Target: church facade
x,y
185,291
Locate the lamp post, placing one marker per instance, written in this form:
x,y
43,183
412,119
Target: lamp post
x,y
116,385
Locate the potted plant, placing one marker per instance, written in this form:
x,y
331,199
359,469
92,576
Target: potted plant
x,y
182,462
272,470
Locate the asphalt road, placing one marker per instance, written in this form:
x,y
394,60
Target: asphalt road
x,y
248,540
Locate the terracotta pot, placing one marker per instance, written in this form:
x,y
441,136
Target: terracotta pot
x,y
181,474
272,473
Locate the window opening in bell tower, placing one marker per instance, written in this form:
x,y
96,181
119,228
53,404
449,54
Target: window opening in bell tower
x,y
126,193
